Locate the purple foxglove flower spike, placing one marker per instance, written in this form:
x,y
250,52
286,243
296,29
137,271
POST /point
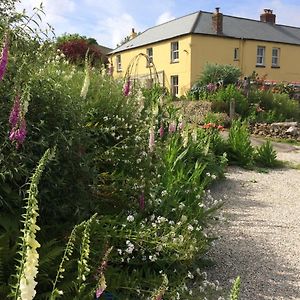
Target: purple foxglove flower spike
x,y
126,88
19,134
15,112
4,58
172,127
161,130
22,132
12,134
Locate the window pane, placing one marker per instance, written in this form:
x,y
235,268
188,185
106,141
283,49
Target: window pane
x,y
174,51
236,53
118,61
275,56
260,58
150,55
174,85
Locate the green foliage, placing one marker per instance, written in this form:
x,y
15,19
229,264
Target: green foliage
x,y
213,73
128,159
265,155
235,290
231,92
66,37
286,107
273,107
240,151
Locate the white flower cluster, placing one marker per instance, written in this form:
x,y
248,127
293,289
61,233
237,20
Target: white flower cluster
x,y
130,247
27,282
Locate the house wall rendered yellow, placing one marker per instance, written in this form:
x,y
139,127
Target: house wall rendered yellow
x,y
196,50
209,49
289,62
162,62
215,49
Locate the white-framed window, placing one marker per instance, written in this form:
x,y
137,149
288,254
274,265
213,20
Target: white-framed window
x,y
260,56
236,54
175,51
275,57
149,52
119,62
174,85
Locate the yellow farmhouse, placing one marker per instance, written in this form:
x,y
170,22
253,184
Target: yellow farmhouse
x,y
180,48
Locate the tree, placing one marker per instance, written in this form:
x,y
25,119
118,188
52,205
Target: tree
x,y
75,51
66,37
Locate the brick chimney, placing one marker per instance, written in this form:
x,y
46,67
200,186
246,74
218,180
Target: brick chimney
x,y
217,21
268,17
133,34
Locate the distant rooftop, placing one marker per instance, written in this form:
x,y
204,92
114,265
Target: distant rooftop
x,y
104,50
201,23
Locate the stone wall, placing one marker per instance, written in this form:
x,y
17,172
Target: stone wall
x,y
282,130
193,111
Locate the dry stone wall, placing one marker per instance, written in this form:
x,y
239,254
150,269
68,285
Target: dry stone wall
x,y
282,130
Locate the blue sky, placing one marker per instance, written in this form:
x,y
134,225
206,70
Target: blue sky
x,y
111,20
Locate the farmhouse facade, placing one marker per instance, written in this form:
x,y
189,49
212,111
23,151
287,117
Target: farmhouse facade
x,y
179,49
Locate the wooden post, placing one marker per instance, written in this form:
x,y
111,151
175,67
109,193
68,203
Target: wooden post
x,y
232,109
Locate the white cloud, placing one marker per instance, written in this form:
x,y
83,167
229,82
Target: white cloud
x,y
165,17
56,12
286,12
114,28
110,21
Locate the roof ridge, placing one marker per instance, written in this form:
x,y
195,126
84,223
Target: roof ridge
x,y
196,22
196,12
254,20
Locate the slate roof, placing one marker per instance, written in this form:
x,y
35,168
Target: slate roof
x,y
104,50
201,23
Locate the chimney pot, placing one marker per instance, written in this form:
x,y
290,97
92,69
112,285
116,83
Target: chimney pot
x,y
267,16
217,21
133,34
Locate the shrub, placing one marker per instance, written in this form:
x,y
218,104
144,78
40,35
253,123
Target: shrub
x,y
273,107
265,155
240,151
285,107
213,73
217,118
231,92
75,51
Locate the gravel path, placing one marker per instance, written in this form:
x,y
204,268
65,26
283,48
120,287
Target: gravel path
x,y
260,238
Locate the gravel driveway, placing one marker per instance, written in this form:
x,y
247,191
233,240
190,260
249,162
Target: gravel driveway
x,y
260,237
